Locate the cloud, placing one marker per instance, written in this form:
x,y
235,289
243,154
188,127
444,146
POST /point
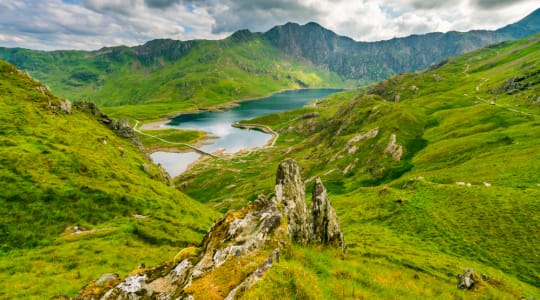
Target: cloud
x,y
161,3
259,15
493,4
92,24
123,7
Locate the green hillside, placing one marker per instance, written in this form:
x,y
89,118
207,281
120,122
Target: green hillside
x,y
430,173
59,170
164,77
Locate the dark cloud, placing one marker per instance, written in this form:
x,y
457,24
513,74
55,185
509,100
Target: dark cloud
x,y
432,4
492,4
161,3
122,7
259,15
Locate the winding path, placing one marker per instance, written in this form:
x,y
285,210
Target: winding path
x,y
477,89
174,143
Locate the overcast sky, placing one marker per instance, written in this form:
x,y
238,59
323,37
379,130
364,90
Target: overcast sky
x,y
92,24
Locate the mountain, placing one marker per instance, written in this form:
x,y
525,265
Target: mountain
x,y
166,76
77,195
430,173
374,61
163,77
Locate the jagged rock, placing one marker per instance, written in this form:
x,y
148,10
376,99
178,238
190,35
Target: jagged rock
x,y
247,242
89,107
255,276
326,229
290,191
394,149
468,279
123,128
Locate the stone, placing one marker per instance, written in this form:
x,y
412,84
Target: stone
x,y
104,278
65,106
255,234
394,149
326,229
468,279
290,192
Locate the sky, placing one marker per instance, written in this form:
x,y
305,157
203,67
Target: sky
x,y
93,24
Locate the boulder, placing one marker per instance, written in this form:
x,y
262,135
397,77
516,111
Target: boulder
x,y
65,106
326,229
469,279
290,192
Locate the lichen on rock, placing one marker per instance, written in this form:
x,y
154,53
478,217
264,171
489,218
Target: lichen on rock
x,y
290,191
240,247
326,228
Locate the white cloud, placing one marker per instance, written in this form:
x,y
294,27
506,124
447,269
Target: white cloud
x,y
92,24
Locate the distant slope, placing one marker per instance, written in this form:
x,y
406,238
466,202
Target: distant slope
x,y
373,61
59,170
430,173
168,76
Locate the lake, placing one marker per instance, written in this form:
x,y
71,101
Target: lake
x,y
230,139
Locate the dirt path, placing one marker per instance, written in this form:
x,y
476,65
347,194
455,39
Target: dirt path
x,y
173,143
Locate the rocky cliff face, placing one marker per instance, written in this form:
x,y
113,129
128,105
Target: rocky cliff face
x,y
237,250
373,61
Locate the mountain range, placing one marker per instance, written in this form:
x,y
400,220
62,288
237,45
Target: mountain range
x,y
431,179
162,77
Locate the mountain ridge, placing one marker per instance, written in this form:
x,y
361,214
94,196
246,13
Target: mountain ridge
x,y
164,76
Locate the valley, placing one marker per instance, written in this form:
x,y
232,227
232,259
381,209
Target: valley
x,y
365,170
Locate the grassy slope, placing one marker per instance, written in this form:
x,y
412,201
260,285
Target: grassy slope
x,y
56,171
409,226
212,73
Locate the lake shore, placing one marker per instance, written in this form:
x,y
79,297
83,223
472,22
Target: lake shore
x,y
160,124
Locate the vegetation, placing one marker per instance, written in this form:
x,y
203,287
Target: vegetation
x,y
464,192
164,138
163,77
429,173
61,170
130,83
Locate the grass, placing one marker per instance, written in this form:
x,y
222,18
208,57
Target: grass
x,y
126,84
59,170
410,228
191,137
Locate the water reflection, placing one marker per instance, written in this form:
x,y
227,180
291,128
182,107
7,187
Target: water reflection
x,y
230,139
174,163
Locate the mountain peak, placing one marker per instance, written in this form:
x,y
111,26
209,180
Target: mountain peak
x,y
242,35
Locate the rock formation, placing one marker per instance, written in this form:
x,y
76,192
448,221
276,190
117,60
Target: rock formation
x,y
468,279
394,149
326,229
240,247
290,191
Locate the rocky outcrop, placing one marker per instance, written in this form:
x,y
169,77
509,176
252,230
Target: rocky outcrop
x,y
326,229
351,146
394,149
120,127
238,249
290,191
